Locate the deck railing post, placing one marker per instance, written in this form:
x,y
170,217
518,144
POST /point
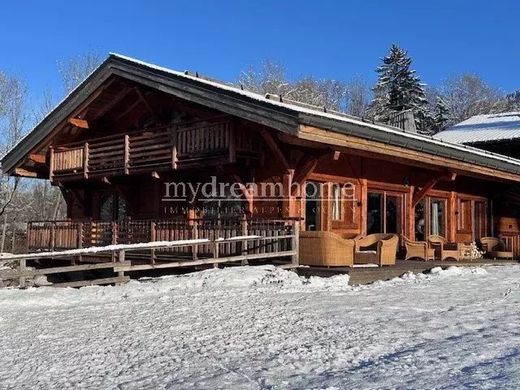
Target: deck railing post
x,y
152,239
127,154
114,236
244,249
51,163
21,271
85,160
121,258
194,236
52,236
295,259
215,252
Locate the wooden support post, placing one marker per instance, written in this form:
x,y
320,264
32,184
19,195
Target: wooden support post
x,y
215,252
174,147
127,155
121,259
85,160
244,243
52,236
114,237
295,260
51,163
152,239
275,148
79,243
21,271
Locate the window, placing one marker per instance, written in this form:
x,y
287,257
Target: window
x,y
313,194
464,219
480,220
438,217
336,202
384,212
420,221
375,213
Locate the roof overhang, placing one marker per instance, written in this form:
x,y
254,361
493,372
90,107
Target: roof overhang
x,y
281,116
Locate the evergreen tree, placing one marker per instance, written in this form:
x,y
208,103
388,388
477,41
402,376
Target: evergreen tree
x,y
442,115
399,89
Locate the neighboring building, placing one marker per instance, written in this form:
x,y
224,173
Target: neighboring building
x,y
499,133
122,140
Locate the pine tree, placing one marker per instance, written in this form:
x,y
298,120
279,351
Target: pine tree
x,y
399,89
442,116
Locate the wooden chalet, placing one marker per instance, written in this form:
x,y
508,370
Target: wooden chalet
x,y
131,129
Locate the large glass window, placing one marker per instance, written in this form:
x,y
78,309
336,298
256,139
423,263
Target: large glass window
x,y
336,202
384,213
438,217
420,221
313,205
375,213
393,213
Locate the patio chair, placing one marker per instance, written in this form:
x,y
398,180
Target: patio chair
x,y
380,249
418,250
495,248
325,249
443,249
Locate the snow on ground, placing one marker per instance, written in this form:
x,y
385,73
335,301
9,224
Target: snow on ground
x,y
262,327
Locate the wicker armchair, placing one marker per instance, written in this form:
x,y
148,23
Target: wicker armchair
x,y
378,248
443,249
418,250
325,249
495,248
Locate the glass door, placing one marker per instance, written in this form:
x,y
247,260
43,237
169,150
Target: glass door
x,y
313,206
384,212
480,216
438,217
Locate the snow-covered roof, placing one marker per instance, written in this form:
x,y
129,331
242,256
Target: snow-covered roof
x,y
483,128
268,110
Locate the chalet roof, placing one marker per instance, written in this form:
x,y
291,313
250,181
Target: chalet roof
x,y
483,128
267,110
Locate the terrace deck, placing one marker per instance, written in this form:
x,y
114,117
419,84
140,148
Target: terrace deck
x,y
373,274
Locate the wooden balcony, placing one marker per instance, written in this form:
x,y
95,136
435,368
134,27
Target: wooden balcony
x,y
167,147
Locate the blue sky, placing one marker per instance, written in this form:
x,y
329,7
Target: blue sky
x,y
335,39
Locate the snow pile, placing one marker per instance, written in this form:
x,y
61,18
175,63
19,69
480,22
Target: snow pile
x,y
246,277
252,328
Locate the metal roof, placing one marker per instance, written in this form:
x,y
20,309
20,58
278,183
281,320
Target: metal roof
x,y
483,128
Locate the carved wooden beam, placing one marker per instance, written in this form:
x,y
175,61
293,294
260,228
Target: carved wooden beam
x,y
418,196
81,123
275,148
25,173
143,99
245,191
37,158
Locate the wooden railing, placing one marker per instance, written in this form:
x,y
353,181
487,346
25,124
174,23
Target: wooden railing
x,y
154,149
121,254
59,235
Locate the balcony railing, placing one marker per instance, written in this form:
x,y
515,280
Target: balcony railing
x,y
167,147
69,234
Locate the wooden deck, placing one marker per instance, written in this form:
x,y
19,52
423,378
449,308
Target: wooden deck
x,y
370,275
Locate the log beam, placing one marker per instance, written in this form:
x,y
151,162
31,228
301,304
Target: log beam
x,y
275,148
419,195
37,158
78,122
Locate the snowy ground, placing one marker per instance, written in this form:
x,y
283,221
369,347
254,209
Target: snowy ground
x,y
252,328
